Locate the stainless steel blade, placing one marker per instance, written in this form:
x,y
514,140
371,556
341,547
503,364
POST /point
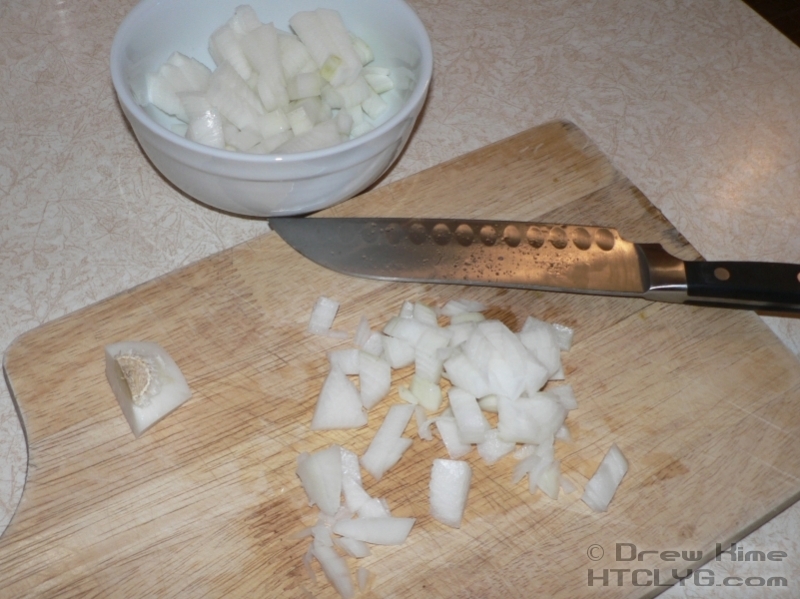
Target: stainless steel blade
x,y
578,259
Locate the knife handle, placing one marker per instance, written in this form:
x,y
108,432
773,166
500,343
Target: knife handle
x,y
767,286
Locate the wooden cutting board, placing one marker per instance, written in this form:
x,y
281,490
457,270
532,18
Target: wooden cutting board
x,y
703,402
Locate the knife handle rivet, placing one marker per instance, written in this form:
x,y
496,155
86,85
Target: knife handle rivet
x,y
464,234
488,235
582,238
535,237
511,236
604,239
722,274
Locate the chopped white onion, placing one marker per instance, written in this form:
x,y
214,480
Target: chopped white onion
x,y
346,360
146,381
565,395
262,71
449,488
375,378
397,352
339,404
387,445
448,431
472,425
335,569
564,336
374,508
493,448
427,393
529,419
378,531
353,547
423,423
323,315
600,489
321,476
460,306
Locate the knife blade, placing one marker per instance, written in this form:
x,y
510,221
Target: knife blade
x,y
542,256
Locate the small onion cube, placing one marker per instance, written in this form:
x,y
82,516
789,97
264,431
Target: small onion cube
x,y
493,448
323,314
467,318
489,403
600,489
397,352
353,547
549,480
350,465
565,395
472,424
387,445
341,43
428,393
335,569
355,497
378,531
374,106
529,419
374,508
375,378
321,476
321,135
423,423
339,404
346,360
448,431
564,336
449,489
462,373
146,382
460,306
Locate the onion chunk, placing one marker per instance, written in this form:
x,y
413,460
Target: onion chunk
x,y
601,487
146,381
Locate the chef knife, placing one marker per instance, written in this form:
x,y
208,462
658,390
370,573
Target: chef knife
x,y
524,255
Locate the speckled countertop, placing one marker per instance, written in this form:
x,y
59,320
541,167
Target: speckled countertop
x,y
697,102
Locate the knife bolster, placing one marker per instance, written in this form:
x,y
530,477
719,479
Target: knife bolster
x,y
663,274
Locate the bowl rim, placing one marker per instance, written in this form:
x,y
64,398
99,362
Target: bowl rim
x,y
127,101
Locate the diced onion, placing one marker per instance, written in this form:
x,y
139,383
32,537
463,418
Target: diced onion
x,y
264,77
449,488
339,404
146,382
600,489
378,531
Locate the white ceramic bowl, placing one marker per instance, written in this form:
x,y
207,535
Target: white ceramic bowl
x,y
269,185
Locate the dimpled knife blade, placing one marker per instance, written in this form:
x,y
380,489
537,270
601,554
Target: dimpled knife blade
x,y
542,256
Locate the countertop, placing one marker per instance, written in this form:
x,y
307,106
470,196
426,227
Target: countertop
x,y
697,102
